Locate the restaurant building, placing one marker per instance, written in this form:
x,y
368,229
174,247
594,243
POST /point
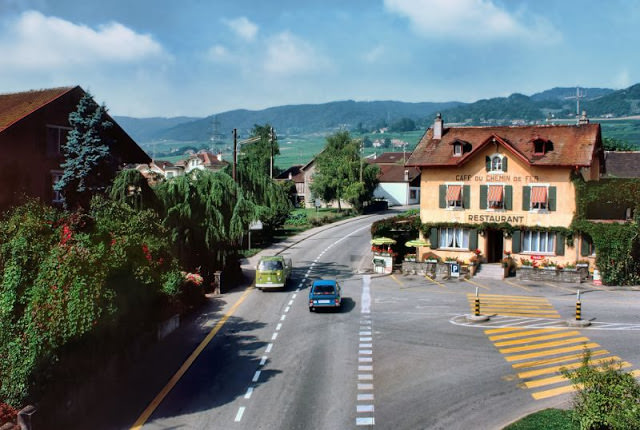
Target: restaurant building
x,y
505,190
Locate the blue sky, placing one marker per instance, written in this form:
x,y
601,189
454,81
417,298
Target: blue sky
x,y
199,57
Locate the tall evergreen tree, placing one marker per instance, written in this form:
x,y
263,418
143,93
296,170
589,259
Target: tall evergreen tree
x,y
89,167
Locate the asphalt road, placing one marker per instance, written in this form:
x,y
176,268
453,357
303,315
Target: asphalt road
x,y
400,354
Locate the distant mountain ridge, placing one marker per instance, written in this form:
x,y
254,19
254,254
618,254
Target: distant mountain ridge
x,y
557,102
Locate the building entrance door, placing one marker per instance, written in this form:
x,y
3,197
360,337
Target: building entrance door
x,y
495,242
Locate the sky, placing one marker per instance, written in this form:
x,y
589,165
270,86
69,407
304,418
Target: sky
x,y
147,58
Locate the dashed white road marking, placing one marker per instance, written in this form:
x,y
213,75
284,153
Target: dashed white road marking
x,y
366,339
364,387
286,310
274,336
256,376
364,408
290,302
282,318
249,392
365,397
365,359
365,377
239,414
279,326
366,345
365,368
365,421
263,360
365,352
268,348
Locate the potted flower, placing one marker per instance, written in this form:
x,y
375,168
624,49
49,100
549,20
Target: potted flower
x,y
410,257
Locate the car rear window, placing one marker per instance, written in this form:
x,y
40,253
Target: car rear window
x,y
324,289
270,265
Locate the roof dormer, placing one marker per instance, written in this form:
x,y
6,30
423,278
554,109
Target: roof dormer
x,y
541,146
460,147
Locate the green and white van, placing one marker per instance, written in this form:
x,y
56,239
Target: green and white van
x,y
273,272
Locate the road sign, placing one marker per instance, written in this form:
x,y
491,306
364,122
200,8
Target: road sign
x,y
455,270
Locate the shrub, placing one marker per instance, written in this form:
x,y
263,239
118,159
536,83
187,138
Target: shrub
x,y
607,397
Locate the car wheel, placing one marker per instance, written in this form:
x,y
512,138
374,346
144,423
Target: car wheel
x,y
311,309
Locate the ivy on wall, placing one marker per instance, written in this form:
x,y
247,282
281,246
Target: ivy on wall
x,y
617,244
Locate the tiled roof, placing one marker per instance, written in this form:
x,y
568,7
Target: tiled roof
x,y
210,160
572,145
621,164
390,158
15,106
395,173
296,174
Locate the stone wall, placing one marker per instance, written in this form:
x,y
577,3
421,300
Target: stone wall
x,y
549,274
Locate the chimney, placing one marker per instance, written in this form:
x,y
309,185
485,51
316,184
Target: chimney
x,y
583,118
290,176
219,156
437,127
406,175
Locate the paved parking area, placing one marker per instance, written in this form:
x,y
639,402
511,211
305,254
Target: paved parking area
x,y
528,323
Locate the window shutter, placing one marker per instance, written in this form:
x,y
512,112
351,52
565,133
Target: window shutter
x,y
559,244
433,237
443,196
466,197
483,196
585,246
473,239
526,198
508,197
504,164
515,242
487,163
552,198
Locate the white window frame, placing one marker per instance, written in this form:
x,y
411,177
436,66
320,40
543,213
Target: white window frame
x,y
546,204
461,201
56,175
457,150
535,237
451,236
59,139
499,184
492,159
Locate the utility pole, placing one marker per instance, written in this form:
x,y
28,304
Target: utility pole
x,y
271,137
235,152
361,154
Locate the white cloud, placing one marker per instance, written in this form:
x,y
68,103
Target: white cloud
x,y
244,28
287,54
219,54
469,20
35,41
374,54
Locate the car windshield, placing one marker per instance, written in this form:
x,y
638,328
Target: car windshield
x,y
270,265
324,289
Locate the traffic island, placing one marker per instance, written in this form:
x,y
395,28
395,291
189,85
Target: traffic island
x,y
477,318
578,323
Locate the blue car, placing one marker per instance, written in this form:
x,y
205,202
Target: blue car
x,y
325,294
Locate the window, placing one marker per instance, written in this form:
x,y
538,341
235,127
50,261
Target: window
x,y
56,138
57,196
539,200
455,238
538,147
538,241
457,150
495,197
413,194
454,196
496,163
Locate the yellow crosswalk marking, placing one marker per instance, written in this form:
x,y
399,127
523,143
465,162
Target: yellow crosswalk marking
x,y
502,330
543,345
554,392
537,338
564,358
551,352
509,297
555,369
525,333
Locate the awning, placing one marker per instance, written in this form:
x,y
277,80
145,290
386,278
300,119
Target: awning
x,y
538,194
454,192
495,193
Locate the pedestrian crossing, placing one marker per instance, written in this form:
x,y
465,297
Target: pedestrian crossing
x,y
538,354
517,306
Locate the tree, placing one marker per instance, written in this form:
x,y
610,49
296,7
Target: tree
x,y
338,172
614,144
403,124
88,167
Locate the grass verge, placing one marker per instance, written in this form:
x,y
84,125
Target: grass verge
x,y
556,419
